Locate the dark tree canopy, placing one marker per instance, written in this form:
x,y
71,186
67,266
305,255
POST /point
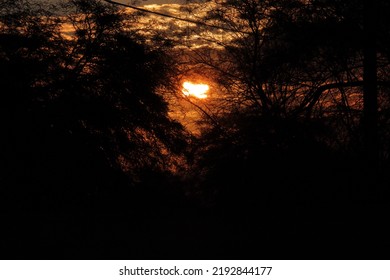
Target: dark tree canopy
x,y
82,116
303,133
294,149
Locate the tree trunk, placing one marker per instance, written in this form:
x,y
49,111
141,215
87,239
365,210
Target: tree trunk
x,y
370,90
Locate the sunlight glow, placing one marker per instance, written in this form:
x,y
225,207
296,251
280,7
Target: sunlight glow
x,y
196,90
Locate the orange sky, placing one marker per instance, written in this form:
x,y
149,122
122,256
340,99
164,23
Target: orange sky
x,y
147,2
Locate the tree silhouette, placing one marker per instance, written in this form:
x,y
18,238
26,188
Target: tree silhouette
x,y
87,139
370,90
304,60
298,137
90,159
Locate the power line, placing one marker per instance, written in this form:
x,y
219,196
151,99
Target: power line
x,y
171,16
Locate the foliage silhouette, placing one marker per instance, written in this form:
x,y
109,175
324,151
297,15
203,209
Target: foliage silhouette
x,y
296,140
85,130
91,161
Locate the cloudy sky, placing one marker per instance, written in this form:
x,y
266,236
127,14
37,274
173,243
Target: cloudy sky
x,y
147,2
164,1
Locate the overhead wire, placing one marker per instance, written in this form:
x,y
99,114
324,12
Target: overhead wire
x,y
171,16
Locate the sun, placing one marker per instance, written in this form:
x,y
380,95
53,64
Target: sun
x,y
196,90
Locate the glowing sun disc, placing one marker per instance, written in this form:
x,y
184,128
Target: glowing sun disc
x,y
196,90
